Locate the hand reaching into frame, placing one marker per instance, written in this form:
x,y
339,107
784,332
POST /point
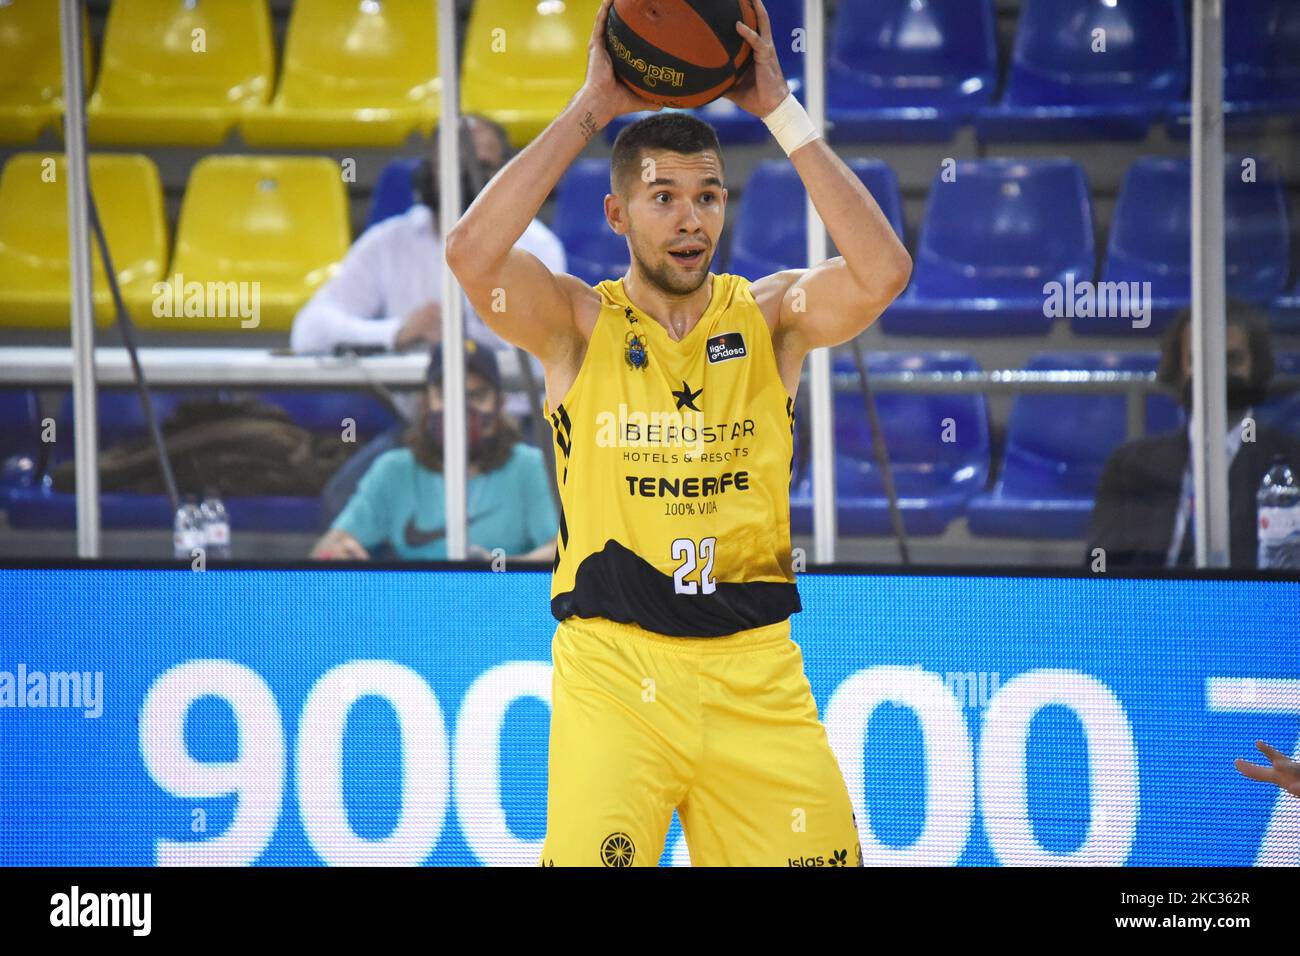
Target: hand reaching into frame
x,y
1284,771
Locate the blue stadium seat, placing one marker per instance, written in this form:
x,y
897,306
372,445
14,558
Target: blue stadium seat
x,y
993,236
1261,52
393,193
1056,447
934,477
1151,237
40,508
19,422
732,124
1283,411
326,411
20,431
593,250
909,69
1261,65
1284,312
771,231
1061,86
121,419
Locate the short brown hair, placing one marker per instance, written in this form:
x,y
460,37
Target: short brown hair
x,y
675,132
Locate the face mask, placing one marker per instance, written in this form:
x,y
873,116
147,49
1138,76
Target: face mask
x,y
476,427
1242,393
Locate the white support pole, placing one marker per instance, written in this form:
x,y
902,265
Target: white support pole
x,y
453,326
79,281
1209,359
819,360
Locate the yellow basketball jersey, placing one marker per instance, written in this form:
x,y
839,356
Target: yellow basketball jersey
x,y
673,461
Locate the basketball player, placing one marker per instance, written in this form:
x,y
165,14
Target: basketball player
x,y
671,395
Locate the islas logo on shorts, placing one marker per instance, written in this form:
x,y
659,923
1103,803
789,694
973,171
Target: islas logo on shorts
x,y
836,858
728,345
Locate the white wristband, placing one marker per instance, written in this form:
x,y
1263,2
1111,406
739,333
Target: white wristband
x,y
790,124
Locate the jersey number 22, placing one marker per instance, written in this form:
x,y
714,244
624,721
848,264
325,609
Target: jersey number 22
x,y
685,548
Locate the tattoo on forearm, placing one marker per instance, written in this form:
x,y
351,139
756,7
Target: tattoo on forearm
x,y
588,125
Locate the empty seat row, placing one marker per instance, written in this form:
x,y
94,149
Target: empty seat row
x,y
941,457
939,446
256,236
365,72
31,502
353,72
996,234
919,69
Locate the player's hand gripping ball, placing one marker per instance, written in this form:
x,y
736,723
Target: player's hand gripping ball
x,y
679,53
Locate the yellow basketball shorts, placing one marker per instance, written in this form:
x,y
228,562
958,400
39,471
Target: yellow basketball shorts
x,y
722,729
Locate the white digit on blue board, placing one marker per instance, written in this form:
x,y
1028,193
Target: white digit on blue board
x,y
320,765
1265,695
1112,769
478,761
949,793
255,777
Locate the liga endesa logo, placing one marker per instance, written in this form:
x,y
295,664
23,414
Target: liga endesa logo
x,y
177,298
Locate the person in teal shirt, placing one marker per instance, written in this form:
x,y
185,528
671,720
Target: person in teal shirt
x,y
399,501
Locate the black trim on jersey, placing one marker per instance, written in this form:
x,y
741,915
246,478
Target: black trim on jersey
x,y
617,584
789,411
563,435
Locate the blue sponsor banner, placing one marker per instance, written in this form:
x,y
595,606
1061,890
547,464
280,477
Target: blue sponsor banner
x,y
157,716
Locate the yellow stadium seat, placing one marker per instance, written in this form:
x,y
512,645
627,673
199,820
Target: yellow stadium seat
x,y
180,73
31,68
356,73
256,237
522,62
34,237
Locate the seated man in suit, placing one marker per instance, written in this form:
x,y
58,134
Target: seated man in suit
x,y
1143,513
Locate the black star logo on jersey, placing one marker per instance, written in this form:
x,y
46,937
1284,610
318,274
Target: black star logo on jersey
x,y
687,397
628,312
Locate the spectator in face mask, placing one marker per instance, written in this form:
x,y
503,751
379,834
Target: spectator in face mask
x,y
1144,507
388,290
399,502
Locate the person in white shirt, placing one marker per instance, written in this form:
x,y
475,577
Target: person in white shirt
x,y
388,290
388,293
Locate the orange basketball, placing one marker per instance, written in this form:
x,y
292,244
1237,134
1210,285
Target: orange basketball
x,y
679,53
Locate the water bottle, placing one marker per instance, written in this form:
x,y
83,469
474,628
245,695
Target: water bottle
x,y
1278,507
187,530
216,525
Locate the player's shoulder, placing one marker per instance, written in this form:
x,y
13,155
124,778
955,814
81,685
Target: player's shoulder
x,y
769,292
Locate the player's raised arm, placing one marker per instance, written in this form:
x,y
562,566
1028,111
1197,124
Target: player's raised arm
x,y
515,294
834,300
